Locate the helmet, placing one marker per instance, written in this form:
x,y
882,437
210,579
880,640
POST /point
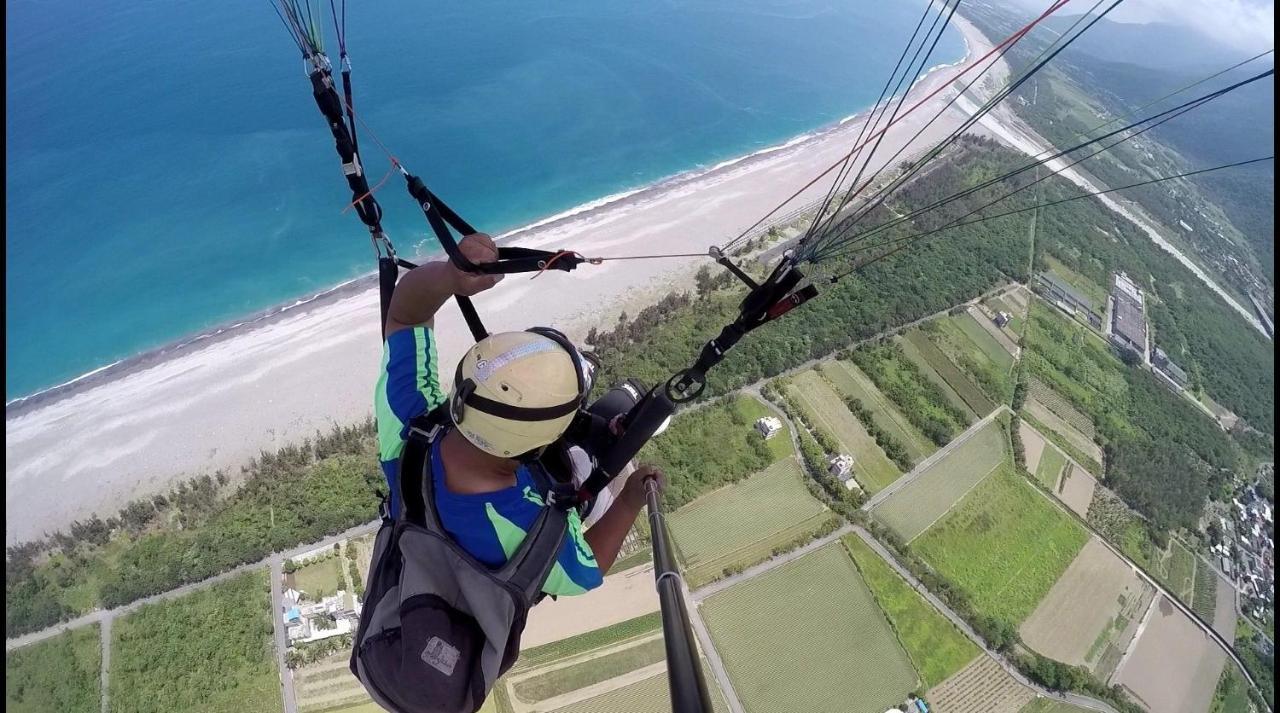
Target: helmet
x,y
515,392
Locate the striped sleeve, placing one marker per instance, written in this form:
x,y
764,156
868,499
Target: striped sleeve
x,y
408,386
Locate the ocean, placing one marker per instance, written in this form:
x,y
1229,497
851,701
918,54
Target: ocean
x,y
168,171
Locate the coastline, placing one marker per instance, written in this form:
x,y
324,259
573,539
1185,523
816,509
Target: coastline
x,y
214,400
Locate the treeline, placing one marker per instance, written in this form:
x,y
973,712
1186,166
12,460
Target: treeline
x,y
920,400
307,652
707,448
935,274
209,650
891,446
296,495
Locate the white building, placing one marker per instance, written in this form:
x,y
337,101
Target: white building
x,y
1130,288
841,466
768,426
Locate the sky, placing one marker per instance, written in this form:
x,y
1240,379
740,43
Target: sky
x,y
1243,24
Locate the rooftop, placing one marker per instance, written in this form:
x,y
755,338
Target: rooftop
x,y
1059,285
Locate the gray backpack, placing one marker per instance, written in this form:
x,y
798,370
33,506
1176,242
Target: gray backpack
x,y
438,627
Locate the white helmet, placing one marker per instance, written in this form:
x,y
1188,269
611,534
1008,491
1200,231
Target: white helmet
x,y
515,392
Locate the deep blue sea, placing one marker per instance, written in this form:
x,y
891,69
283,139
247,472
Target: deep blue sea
x,y
168,170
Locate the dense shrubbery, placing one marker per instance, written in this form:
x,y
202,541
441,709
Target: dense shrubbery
x,y
297,495
210,650
919,399
890,445
60,675
706,448
312,651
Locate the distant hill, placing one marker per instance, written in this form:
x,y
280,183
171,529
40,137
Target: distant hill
x,y
1155,44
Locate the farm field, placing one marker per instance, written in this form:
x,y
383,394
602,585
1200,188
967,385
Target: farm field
x,y
849,380
936,647
58,675
1058,404
626,599
993,342
1049,705
740,524
1181,566
1033,445
1224,611
206,652
918,504
532,656
1053,421
1075,490
825,409
1174,666
1090,614
364,554
647,695
981,687
1005,545
1017,313
1205,597
973,398
328,684
912,352
318,579
771,658
980,358
587,671
1049,470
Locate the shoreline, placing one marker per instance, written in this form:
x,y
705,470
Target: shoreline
x,y
216,399
368,281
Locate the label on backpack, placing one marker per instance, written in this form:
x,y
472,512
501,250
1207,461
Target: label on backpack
x,y
440,655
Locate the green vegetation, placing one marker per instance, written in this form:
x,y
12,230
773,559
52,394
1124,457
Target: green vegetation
x,y
58,675
299,494
1181,567
707,448
328,684
1005,545
1259,659
1094,292
319,578
936,647
1205,599
920,503
1049,705
767,629
852,384
929,346
592,671
745,523
997,305
780,445
970,348
647,696
1232,694
1059,405
823,409
609,635
207,652
1164,457
906,382
1063,444
1050,468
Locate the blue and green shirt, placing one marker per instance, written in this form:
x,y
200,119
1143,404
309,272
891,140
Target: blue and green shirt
x,y
490,526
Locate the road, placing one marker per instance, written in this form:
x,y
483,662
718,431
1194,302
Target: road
x,y
1072,698
1006,126
282,644
938,455
772,563
99,615
709,650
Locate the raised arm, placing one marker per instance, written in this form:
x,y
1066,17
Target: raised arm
x,y
606,536
424,290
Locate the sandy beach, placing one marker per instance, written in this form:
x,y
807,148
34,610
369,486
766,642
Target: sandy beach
x,y
213,405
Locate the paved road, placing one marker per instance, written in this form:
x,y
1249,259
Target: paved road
x,y
938,455
281,643
99,615
106,662
1072,698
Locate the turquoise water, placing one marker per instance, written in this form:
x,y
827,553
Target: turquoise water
x,y
169,172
